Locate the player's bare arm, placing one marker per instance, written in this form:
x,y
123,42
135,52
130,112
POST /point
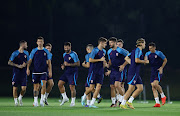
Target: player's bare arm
x,y
16,65
121,67
163,65
86,64
72,64
128,59
96,60
50,68
28,65
137,60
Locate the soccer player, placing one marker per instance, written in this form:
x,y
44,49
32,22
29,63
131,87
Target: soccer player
x,y
157,61
42,61
71,63
97,75
116,57
87,64
119,98
50,81
135,59
19,60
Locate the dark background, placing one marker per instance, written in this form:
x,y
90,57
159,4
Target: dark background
x,y
84,21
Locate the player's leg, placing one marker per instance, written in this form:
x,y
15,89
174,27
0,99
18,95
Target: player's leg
x,y
99,97
89,90
97,90
113,95
43,90
15,95
122,87
36,93
73,94
23,91
131,88
50,83
155,93
88,97
159,88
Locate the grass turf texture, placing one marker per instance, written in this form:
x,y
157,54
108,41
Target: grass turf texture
x,y
7,108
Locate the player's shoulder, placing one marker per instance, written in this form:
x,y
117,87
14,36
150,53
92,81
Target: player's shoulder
x,y
73,52
46,50
158,52
64,54
148,53
26,52
104,50
87,55
34,49
109,51
15,52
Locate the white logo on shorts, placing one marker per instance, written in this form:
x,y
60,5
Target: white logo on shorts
x,y
134,81
91,81
44,54
69,58
155,56
25,56
13,83
32,80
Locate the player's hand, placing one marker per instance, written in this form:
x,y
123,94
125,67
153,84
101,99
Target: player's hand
x,y
50,74
24,64
108,72
62,67
121,68
146,62
66,64
160,70
102,59
28,72
83,63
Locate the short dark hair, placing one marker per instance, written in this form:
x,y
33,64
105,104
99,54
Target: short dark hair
x,y
113,39
89,45
120,40
22,41
140,40
40,37
67,44
102,39
48,44
152,44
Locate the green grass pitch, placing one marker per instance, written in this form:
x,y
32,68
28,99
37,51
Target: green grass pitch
x,y
7,108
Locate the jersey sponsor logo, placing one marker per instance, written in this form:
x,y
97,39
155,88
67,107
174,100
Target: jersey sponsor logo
x,y
69,58
134,81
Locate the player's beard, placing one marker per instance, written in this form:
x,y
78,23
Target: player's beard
x,y
67,51
112,46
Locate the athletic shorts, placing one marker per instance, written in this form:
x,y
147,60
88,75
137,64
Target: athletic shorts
x,y
155,76
134,79
37,78
19,80
71,78
96,78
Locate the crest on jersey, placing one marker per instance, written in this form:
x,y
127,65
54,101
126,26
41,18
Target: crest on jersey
x,y
69,58
155,56
25,56
44,54
116,54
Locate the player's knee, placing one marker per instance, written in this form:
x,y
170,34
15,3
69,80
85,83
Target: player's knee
x,y
112,86
116,86
60,85
51,84
23,89
140,88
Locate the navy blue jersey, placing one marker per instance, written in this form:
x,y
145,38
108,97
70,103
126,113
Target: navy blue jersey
x,y
155,59
40,58
134,67
87,60
71,58
19,58
97,67
117,57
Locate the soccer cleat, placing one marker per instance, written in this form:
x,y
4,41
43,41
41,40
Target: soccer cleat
x,y
119,104
46,102
42,103
82,101
163,100
20,102
64,101
157,105
93,106
72,104
16,103
113,105
100,99
86,105
123,106
130,105
35,104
